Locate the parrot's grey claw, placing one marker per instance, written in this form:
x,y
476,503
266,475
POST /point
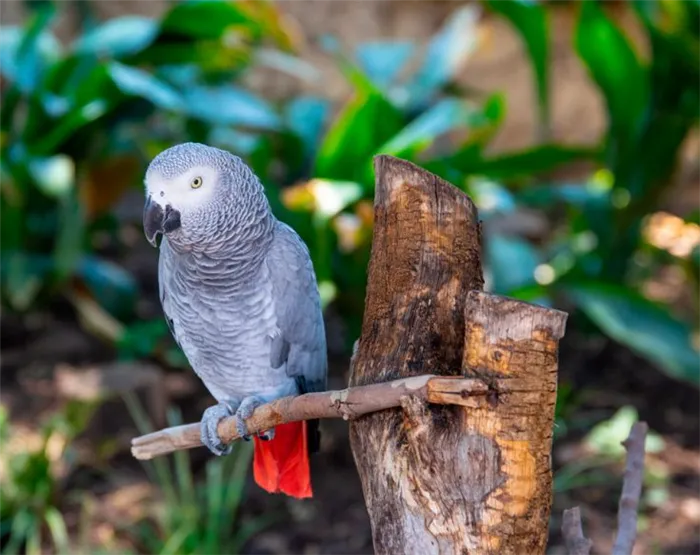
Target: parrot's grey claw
x,y
209,434
245,411
267,435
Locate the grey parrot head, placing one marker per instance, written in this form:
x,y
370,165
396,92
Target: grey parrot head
x,y
200,196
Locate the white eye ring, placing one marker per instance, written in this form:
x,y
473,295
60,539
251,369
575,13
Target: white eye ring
x,y
196,183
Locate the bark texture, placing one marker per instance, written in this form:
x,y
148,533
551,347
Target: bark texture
x,y
463,479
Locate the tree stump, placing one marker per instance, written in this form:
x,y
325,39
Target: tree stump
x,y
463,479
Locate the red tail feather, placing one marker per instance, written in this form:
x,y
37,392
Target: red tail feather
x,y
282,464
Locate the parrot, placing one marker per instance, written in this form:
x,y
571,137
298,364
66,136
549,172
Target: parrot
x,y
239,294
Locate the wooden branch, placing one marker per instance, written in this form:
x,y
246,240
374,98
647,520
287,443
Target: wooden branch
x,y
631,490
572,531
347,404
443,479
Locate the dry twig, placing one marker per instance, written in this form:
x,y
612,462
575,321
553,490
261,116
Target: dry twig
x,y
631,490
347,404
571,529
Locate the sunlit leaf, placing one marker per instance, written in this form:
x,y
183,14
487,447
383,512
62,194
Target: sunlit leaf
x,y
55,176
641,325
325,197
118,37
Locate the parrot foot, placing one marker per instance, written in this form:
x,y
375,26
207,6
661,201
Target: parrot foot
x,y
209,434
245,411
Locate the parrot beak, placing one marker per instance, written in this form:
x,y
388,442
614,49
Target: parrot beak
x,y
157,221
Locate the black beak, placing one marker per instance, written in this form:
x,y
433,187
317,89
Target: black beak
x,y
157,221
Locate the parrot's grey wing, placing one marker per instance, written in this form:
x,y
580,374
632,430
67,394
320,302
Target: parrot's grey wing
x,y
301,339
163,273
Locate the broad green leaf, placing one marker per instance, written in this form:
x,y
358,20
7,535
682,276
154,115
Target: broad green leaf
x,y
446,53
118,37
525,163
383,61
136,82
206,19
614,66
228,105
362,126
641,325
447,115
530,20
511,262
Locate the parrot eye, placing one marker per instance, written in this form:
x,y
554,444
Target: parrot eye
x,y
196,183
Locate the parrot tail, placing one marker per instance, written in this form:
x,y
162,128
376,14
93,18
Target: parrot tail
x,y
282,463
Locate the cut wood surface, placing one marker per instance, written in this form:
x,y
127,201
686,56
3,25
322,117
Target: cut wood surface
x,y
450,479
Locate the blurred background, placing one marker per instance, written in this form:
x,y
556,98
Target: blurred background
x,y
572,125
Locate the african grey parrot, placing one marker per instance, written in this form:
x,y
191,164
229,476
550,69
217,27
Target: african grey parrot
x,y
239,293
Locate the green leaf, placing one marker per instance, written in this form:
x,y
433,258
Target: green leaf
x,y
118,37
530,20
69,242
362,126
205,19
136,82
511,261
446,115
614,66
305,116
228,105
641,325
382,61
525,163
446,53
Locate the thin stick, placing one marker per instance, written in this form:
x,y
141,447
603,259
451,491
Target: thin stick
x,y
347,404
631,490
572,531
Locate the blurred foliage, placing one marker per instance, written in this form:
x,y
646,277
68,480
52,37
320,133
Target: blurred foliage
x,y
604,451
79,122
31,481
195,518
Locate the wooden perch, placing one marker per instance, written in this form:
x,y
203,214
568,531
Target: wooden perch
x,y
444,479
347,404
453,463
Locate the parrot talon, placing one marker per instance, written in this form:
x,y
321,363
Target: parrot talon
x,y
244,412
267,435
209,433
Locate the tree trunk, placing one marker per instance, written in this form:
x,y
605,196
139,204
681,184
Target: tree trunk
x,y
463,479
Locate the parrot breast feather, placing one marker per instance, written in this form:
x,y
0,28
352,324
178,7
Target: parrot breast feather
x,y
301,339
